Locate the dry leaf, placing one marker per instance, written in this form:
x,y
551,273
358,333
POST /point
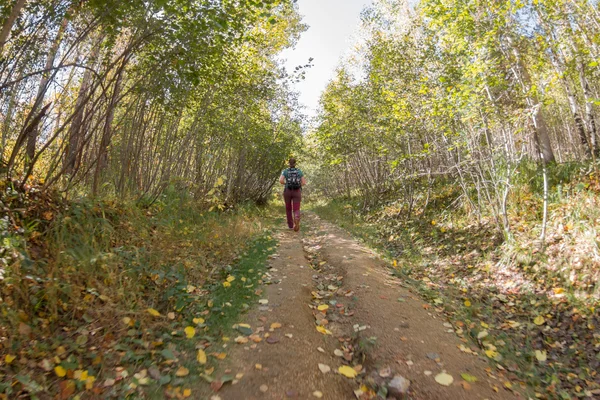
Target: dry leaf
x,y
347,371
201,357
153,312
190,332
444,379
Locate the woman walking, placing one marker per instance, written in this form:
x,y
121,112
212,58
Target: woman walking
x,y
293,179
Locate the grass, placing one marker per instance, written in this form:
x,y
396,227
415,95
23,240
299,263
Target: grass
x,y
533,313
104,290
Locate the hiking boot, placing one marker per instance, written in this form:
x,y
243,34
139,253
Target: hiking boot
x,y
296,224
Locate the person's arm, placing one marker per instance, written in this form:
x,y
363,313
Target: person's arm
x,y
303,181
282,179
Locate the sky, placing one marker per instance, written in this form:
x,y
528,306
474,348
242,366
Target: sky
x,y
332,26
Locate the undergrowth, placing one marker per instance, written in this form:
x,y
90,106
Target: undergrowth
x,y
96,294
531,310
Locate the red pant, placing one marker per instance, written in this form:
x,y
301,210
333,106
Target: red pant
x,y
292,202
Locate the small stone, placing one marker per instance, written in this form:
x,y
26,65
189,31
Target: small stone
x,y
398,387
317,394
433,356
272,340
264,388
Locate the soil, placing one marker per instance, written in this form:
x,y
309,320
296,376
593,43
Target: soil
x,y
376,324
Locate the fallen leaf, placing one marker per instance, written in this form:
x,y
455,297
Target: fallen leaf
x,y
198,321
539,320
347,371
468,377
153,312
324,368
10,358
541,356
317,394
241,340
444,379
182,371
467,303
323,330
491,353
323,307
275,325
263,301
187,393
60,371
190,332
226,284
201,356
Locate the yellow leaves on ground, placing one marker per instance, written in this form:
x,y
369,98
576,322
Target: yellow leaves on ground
x,y
226,284
467,303
60,371
198,321
187,392
190,332
182,371
275,325
444,379
539,320
9,358
323,330
323,307
201,356
230,278
347,371
153,312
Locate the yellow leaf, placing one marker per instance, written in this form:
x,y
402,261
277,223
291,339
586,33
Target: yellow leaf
x,y
60,371
83,376
491,353
323,330
539,320
9,358
230,278
182,371
226,284
89,382
153,312
275,325
444,379
395,263
198,321
541,356
221,356
323,307
347,371
467,303
558,290
190,332
187,392
201,357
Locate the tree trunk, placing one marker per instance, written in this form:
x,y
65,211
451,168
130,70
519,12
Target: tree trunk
x,y
102,160
42,88
8,24
75,130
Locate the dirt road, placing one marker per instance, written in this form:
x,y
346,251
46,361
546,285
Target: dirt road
x,y
333,303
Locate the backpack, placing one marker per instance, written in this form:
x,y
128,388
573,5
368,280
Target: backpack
x,y
293,180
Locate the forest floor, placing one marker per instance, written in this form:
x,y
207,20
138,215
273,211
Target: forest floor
x,y
334,323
